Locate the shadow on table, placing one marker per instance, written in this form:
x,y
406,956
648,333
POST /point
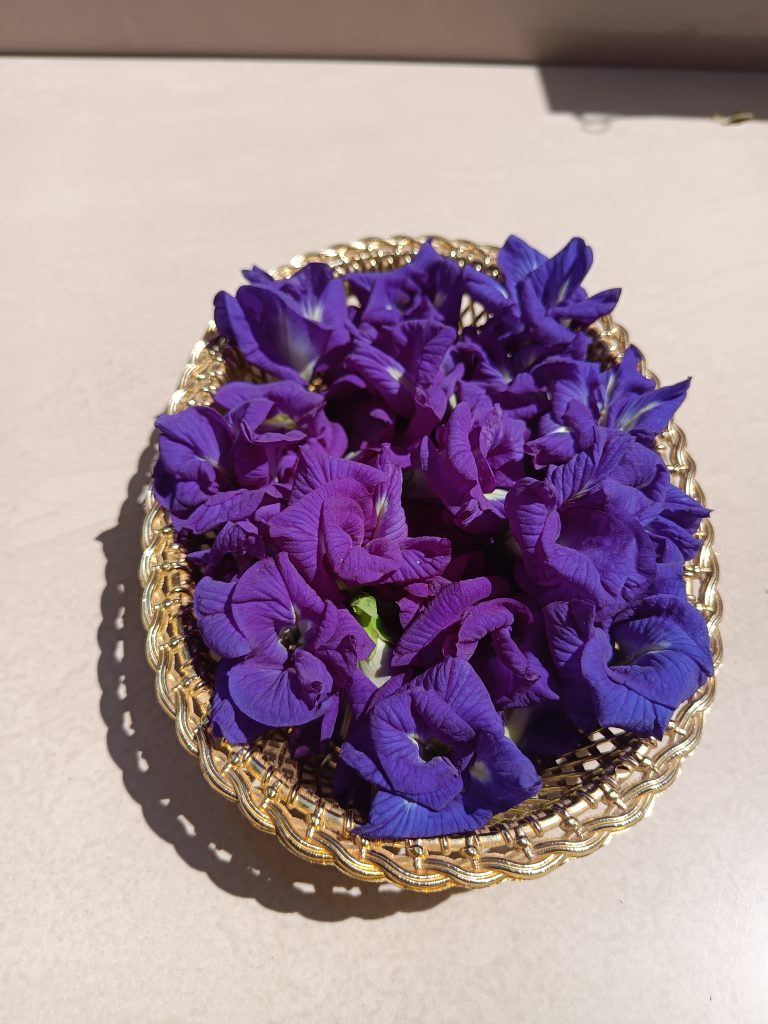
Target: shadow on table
x,y
206,831
597,95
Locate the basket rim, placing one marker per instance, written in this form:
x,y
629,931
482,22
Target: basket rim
x,y
294,812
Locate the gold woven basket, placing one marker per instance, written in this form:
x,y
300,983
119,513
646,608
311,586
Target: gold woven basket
x,y
602,788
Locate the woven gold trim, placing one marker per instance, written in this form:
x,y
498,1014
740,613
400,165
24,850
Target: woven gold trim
x,y
602,788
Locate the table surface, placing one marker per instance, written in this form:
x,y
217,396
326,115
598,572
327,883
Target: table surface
x,y
131,190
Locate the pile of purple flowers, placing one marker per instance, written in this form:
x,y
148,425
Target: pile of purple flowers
x,y
450,551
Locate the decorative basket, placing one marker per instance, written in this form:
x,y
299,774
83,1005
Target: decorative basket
x,y
602,788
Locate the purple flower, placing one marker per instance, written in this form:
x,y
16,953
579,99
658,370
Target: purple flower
x,y
344,525
478,619
623,476
553,304
542,299
634,674
228,721
436,751
514,391
677,521
213,468
500,295
429,287
272,425
236,546
556,441
412,373
670,565
194,476
633,403
496,366
368,425
292,330
286,654
614,473
410,598
543,731
582,395
578,532
474,459
567,427
431,543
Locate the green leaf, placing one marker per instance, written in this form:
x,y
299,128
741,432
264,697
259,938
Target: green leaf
x,y
365,609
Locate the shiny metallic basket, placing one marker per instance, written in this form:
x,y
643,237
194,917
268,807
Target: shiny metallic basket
x,y
588,795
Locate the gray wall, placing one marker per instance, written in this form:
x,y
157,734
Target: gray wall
x,y
653,33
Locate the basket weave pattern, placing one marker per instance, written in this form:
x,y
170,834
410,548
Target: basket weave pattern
x,y
605,786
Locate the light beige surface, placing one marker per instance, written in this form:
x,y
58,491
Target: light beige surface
x,y
128,193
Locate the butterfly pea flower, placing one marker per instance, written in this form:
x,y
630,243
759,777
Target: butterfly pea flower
x,y
622,475
270,428
553,305
670,565
569,380
236,546
581,396
294,408
296,329
429,287
578,533
541,299
344,527
214,468
515,392
436,752
677,521
413,376
194,476
543,730
412,597
395,389
634,673
567,426
497,358
617,473
228,721
619,397
556,441
473,460
516,260
286,654
479,620
512,355
449,548
619,478
633,403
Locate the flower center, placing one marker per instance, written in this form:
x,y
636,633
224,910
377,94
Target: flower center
x,y
280,421
431,748
290,638
629,656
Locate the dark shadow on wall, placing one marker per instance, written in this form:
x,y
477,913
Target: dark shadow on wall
x,y
595,93
205,830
